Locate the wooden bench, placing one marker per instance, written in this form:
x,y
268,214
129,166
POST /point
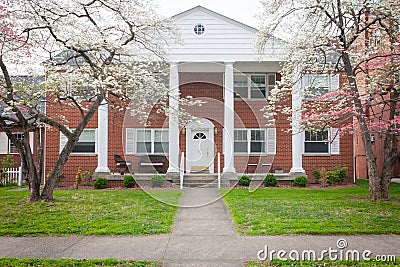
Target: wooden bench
x,y
122,165
151,163
258,164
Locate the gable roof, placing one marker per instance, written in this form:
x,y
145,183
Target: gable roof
x,y
215,14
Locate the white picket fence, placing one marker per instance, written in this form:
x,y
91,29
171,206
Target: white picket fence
x,y
14,176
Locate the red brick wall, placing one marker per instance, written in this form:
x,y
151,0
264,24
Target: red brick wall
x,y
248,115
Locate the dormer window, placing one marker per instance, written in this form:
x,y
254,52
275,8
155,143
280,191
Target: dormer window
x,y
199,29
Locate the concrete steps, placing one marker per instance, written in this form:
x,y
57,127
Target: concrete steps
x,y
199,180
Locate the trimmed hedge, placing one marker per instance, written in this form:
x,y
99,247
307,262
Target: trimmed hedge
x,y
129,181
100,183
270,180
244,180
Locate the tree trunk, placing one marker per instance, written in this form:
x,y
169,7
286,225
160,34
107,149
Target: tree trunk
x,y
47,194
374,180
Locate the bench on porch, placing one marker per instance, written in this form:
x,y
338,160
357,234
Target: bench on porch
x,y
151,163
122,165
258,164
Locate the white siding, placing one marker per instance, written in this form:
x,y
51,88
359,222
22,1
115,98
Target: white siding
x,y
224,39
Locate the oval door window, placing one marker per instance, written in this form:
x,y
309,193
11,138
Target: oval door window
x,y
199,136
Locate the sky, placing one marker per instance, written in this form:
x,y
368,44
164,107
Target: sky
x,y
242,11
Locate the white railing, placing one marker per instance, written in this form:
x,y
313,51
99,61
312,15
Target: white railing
x,y
14,176
219,170
181,170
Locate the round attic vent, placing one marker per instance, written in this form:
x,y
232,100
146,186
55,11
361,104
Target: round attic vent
x,y
199,29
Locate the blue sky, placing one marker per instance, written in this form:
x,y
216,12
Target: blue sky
x,y
243,11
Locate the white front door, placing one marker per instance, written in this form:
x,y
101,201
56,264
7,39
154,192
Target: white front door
x,y
201,151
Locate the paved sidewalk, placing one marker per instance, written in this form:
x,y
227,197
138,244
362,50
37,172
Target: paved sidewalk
x,y
202,236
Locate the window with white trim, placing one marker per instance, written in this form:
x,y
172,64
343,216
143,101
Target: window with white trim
x,y
87,143
319,84
322,142
253,86
7,146
147,141
12,149
316,142
255,141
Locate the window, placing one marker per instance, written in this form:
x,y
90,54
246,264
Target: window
x,y
254,86
316,142
255,141
143,143
161,144
319,84
240,145
199,29
146,141
199,136
86,142
12,149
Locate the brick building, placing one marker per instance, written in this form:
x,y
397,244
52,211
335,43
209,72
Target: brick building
x,y
216,63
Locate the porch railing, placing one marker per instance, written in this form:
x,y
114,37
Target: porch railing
x,y
181,170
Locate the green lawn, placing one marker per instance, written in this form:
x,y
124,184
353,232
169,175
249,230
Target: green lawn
x,y
277,211
91,212
78,263
327,263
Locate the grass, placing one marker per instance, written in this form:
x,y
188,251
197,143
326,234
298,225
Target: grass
x,y
91,212
327,263
78,263
276,211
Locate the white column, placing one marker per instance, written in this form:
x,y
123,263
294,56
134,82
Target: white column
x,y
228,120
173,119
102,138
297,132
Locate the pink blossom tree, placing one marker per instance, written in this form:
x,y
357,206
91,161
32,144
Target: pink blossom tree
x,y
358,40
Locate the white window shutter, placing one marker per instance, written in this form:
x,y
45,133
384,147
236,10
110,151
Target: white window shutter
x,y
96,141
3,143
271,141
63,141
130,141
31,140
334,82
335,141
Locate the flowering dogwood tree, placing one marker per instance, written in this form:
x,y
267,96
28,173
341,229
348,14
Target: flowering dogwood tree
x,y
99,52
358,40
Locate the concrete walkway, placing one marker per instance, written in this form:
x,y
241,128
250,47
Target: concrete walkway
x,y
203,236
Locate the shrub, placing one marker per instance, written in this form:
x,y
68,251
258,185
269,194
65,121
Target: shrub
x,y
300,181
78,178
270,180
337,175
87,177
317,175
157,181
323,177
244,180
100,183
129,181
6,163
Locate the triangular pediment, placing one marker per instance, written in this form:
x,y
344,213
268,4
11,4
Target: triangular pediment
x,y
210,36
